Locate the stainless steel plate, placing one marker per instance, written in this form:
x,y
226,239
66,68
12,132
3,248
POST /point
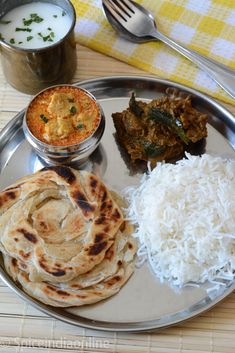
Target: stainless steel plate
x,y
143,303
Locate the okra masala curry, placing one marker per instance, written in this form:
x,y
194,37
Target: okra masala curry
x,y
63,116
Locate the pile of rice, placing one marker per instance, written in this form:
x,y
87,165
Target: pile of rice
x,y
185,218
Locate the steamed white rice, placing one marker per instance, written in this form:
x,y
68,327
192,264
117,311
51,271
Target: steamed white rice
x,y
185,218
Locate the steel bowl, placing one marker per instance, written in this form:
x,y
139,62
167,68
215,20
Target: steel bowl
x,y
31,70
57,155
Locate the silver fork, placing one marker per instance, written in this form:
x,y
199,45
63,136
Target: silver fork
x,y
138,25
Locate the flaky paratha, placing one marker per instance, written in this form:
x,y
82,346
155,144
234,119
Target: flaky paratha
x,y
64,238
57,206
103,281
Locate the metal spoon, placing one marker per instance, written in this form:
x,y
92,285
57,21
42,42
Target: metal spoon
x,y
133,22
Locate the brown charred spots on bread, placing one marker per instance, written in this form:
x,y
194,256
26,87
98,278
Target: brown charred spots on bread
x,y
130,246
106,229
58,291
109,254
14,262
97,248
123,226
29,236
116,214
103,193
100,220
57,272
64,172
106,205
25,256
5,196
99,237
113,280
82,202
93,182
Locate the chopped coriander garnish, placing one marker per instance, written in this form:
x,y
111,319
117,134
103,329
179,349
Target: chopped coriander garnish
x,y
44,118
29,38
63,13
33,18
73,110
48,38
2,22
23,29
55,16
52,34
20,42
12,41
80,126
27,22
49,29
37,19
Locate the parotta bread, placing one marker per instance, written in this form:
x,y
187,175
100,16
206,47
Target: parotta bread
x,y
62,238
103,281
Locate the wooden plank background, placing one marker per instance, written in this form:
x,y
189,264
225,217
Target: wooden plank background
x,y
25,329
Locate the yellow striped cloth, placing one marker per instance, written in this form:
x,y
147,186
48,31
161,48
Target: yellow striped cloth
x,y
207,26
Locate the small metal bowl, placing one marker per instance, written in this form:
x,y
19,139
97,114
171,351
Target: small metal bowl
x,y
57,155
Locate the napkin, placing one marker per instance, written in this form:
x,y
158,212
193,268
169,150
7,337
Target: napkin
x,y
207,26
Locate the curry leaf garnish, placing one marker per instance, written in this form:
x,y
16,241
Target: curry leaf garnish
x,y
135,107
73,110
18,29
3,22
152,150
167,119
44,118
80,126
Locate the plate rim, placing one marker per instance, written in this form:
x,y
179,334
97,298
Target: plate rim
x,y
140,326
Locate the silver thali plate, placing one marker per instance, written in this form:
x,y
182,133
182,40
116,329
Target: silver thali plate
x,y
144,303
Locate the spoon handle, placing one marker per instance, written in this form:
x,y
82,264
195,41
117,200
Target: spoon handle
x,y
223,75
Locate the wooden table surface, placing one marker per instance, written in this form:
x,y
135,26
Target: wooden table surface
x,y
25,329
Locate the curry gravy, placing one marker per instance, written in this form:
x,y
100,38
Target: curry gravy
x,y
63,116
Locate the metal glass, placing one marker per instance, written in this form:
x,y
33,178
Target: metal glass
x,y
143,304
31,70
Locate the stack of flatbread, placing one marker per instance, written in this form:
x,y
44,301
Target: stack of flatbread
x,y
64,238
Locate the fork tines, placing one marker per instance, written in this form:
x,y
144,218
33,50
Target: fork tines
x,y
120,9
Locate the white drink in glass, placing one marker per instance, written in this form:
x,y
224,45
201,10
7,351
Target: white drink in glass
x,y
34,25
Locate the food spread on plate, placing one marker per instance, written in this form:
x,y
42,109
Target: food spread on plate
x,y
63,116
64,237
35,25
161,129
